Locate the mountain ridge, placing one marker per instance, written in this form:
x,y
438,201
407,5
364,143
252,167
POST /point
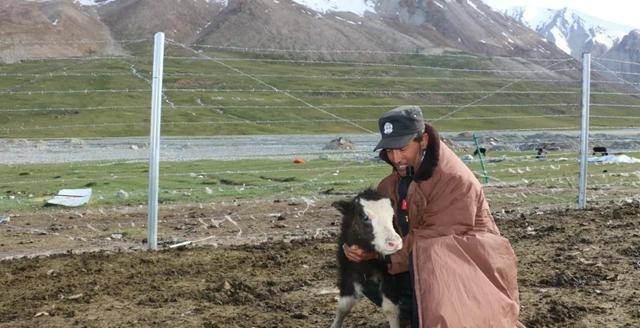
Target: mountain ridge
x,y
572,31
424,26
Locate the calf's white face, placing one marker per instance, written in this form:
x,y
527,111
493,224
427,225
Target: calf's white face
x,y
380,212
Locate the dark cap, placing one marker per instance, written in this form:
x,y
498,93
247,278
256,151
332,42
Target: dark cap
x,y
399,126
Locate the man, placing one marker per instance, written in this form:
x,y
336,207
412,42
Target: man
x,y
463,272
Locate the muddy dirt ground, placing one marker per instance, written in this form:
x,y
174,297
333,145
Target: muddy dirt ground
x,y
277,269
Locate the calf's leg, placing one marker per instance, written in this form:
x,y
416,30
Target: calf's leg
x,y
391,311
391,300
349,294
345,304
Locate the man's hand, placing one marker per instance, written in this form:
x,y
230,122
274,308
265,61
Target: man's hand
x,y
357,254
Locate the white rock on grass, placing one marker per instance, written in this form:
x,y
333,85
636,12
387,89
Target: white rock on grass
x,y
122,194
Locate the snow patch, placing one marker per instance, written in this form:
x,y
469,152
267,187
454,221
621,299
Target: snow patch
x,y
605,39
346,20
93,2
560,41
358,7
507,37
533,17
223,3
473,5
613,159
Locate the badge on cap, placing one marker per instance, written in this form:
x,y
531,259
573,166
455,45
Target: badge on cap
x,y
388,128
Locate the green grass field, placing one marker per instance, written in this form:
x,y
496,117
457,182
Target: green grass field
x,y
26,187
111,97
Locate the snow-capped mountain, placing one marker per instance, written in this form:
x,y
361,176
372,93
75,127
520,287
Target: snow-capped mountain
x,y
570,30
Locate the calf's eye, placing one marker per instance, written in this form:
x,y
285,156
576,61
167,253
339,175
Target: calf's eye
x,y
365,219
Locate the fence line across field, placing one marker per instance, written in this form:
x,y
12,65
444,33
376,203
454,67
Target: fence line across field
x,y
613,82
616,61
522,182
322,62
512,182
354,63
297,76
272,87
364,51
518,174
97,125
371,77
336,106
232,172
555,157
618,77
527,182
614,72
370,91
501,89
615,105
83,58
63,74
46,109
193,174
82,41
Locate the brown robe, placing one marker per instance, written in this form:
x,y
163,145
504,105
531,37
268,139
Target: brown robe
x,y
465,271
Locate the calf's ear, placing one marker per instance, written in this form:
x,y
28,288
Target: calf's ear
x,y
342,206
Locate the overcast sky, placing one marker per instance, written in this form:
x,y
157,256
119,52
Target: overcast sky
x,y
625,12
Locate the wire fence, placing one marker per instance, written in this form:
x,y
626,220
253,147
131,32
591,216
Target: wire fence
x,y
251,126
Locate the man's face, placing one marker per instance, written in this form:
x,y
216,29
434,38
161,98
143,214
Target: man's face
x,y
409,155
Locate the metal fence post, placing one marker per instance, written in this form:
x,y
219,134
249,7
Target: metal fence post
x,y
584,133
154,142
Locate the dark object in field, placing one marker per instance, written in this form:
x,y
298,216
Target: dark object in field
x,y
541,153
367,221
601,150
483,151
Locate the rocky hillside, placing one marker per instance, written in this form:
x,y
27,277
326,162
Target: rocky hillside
x,y
390,25
625,54
424,26
180,20
31,29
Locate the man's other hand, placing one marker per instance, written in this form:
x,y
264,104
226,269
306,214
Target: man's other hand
x,y
357,254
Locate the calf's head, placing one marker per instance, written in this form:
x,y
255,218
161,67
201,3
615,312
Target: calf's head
x,y
367,221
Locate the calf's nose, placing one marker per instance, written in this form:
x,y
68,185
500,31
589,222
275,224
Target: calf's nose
x,y
393,243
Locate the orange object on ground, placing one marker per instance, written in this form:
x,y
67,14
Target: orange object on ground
x,y
298,161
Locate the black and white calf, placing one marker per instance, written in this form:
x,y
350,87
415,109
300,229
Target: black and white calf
x,y
367,221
